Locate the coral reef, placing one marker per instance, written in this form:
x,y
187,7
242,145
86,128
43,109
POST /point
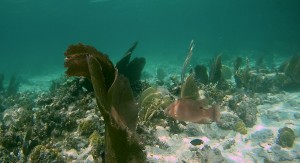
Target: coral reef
x,y
262,80
56,119
43,154
67,124
32,119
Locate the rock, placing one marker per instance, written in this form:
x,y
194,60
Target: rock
x,y
276,154
76,142
262,135
228,144
16,117
6,156
89,125
213,155
297,115
240,127
273,115
44,154
245,107
71,154
96,141
247,110
228,121
89,159
281,155
192,130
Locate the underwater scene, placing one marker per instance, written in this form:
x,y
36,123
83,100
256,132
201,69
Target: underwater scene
x,y
160,81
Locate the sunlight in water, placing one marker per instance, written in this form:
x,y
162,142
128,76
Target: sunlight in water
x,y
98,1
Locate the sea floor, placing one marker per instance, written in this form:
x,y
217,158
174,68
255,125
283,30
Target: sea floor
x,y
258,145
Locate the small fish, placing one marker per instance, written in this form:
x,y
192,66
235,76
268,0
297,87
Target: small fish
x,y
193,111
196,142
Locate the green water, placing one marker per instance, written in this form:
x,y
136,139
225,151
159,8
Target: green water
x,y
34,34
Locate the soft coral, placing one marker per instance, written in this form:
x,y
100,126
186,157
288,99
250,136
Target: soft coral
x,y
114,99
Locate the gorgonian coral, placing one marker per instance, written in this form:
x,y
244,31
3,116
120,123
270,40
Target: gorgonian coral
x,y
114,99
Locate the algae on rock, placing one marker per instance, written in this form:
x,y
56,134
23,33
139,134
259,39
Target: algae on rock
x,y
240,127
286,137
96,142
41,153
88,126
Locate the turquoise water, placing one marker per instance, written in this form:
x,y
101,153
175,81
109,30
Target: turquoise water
x,y
34,34
258,102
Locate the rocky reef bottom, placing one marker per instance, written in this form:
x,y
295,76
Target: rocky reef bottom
x,y
64,125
